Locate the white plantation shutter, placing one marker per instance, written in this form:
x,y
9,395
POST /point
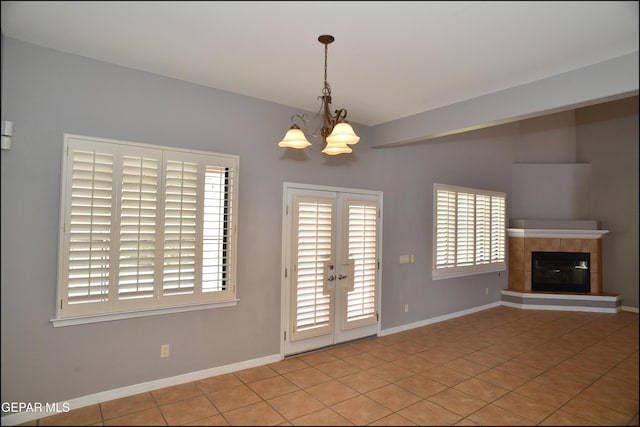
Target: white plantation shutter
x,y
469,231
465,230
138,222
89,226
445,228
483,229
362,221
313,242
144,227
219,206
498,227
180,223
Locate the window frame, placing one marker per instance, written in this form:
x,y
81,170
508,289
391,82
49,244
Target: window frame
x,y
453,266
201,295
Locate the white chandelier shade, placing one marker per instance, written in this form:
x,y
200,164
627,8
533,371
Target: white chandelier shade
x,y
294,139
333,148
343,132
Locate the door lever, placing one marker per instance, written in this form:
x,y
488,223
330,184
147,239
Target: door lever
x,y
340,277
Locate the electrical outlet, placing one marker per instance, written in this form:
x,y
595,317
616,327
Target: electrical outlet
x,y
486,291
406,308
164,350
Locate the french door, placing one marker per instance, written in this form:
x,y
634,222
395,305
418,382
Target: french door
x,y
331,266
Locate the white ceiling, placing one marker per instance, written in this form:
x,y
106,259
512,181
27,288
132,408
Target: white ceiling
x,y
390,59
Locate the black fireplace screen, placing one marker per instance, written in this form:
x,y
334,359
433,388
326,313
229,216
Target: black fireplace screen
x,y
560,272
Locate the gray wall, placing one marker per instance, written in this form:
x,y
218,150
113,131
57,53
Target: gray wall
x,y
607,136
406,174
563,189
48,93
546,182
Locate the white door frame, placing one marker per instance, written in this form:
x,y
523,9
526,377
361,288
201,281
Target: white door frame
x,y
285,277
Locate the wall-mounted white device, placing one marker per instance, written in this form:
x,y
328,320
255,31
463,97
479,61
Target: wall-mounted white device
x,y
7,134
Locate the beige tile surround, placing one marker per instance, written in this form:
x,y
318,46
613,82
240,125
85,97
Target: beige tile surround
x,y
520,249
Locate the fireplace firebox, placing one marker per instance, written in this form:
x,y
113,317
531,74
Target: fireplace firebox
x,y
560,272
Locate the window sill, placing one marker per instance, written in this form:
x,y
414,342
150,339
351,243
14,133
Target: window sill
x,y
470,272
133,314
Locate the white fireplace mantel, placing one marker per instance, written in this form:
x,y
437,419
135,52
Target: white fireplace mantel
x,y
548,233
555,229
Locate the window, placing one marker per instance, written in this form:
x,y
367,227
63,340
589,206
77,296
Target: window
x,y
145,227
468,230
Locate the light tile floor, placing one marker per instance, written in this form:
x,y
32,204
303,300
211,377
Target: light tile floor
x,y
501,366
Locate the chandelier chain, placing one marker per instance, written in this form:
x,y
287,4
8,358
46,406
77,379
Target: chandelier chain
x,y
326,90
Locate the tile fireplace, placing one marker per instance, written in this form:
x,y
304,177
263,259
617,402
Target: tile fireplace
x,y
557,264
523,242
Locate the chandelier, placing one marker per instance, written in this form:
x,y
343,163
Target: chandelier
x,y
336,132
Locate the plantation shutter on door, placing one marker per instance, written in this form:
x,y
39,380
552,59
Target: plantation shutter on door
x,y
362,222
313,243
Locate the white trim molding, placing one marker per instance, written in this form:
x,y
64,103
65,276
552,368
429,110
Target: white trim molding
x,y
437,319
81,320
548,233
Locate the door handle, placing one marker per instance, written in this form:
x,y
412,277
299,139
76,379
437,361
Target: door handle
x,y
327,284
340,277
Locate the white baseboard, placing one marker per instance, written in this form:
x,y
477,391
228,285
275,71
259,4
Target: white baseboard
x,y
105,396
438,319
492,305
